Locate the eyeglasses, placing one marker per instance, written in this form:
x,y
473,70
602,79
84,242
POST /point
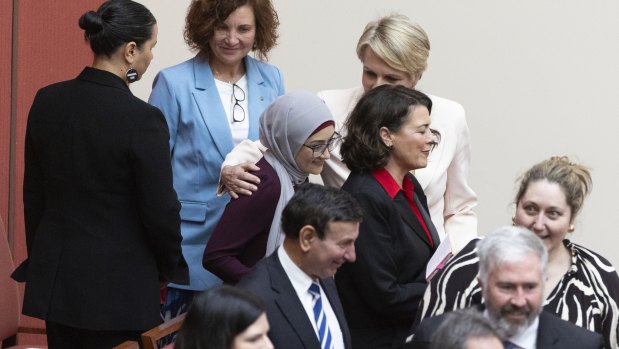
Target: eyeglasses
x,y
319,149
238,95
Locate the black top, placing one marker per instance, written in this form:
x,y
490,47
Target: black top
x,y
102,218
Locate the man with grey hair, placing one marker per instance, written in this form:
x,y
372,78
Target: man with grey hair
x,y
512,271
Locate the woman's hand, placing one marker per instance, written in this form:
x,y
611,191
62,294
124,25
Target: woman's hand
x,y
238,180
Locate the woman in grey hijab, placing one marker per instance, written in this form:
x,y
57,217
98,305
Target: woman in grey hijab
x,y
298,131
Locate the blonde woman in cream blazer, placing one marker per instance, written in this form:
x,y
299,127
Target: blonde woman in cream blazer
x,y
393,50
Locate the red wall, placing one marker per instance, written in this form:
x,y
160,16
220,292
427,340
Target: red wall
x,y
49,47
6,22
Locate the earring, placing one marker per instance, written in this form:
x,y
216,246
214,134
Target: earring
x,y
514,219
389,146
132,75
571,228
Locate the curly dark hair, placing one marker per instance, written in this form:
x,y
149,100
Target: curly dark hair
x,y
385,106
206,15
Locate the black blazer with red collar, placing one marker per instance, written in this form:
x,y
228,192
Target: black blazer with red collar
x,y
381,291
289,323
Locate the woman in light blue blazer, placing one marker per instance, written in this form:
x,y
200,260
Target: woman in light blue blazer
x,y
211,103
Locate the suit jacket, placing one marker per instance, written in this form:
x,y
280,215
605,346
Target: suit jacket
x,y
381,290
290,326
552,333
444,181
102,218
200,138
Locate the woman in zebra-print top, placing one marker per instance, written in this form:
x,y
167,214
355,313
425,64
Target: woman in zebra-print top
x,y
581,287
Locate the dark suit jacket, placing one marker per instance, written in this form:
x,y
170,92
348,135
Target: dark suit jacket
x,y
101,215
381,290
290,326
552,333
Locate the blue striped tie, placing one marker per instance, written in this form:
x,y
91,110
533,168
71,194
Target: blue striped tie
x,y
324,335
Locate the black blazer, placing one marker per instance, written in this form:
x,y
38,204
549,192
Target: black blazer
x,y
101,215
290,326
381,291
552,333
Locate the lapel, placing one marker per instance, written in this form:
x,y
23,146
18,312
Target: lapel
x,y
209,104
289,304
328,285
422,204
258,95
410,218
547,337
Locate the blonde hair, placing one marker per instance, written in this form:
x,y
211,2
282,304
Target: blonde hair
x,y
574,180
404,45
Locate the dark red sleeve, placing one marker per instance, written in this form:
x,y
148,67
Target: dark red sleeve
x,y
240,238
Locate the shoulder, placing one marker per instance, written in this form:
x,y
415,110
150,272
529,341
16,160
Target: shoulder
x,y
592,257
446,110
182,73
267,70
341,95
566,332
341,102
258,279
426,328
363,185
268,193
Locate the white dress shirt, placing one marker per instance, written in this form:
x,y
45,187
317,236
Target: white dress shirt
x,y
301,283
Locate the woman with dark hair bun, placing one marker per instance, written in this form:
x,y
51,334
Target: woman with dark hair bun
x,y
101,214
225,317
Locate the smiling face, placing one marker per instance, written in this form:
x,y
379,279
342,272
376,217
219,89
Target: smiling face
x,y
326,255
305,157
254,336
514,294
412,143
377,72
543,209
234,38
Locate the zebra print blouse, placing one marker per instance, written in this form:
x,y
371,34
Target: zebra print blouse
x,y
587,295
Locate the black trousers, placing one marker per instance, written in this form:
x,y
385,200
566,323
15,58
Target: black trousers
x,y
66,337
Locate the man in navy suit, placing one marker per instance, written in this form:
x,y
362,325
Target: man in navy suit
x,y
321,225
512,272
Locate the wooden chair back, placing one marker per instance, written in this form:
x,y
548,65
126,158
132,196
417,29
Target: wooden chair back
x,y
128,345
150,337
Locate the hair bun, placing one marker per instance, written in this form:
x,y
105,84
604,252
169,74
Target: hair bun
x,y
91,22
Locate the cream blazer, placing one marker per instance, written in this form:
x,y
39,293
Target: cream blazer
x,y
445,180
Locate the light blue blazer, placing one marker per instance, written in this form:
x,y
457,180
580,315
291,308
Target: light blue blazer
x,y
200,138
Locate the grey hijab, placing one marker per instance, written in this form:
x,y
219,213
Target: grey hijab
x,y
284,126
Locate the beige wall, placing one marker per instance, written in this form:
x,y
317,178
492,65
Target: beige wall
x,y
537,78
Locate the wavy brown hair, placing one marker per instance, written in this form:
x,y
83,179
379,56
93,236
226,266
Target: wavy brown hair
x,y
206,15
384,106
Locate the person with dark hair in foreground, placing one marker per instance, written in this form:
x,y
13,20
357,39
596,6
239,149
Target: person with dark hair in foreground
x,y
466,329
101,215
225,317
512,274
296,282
